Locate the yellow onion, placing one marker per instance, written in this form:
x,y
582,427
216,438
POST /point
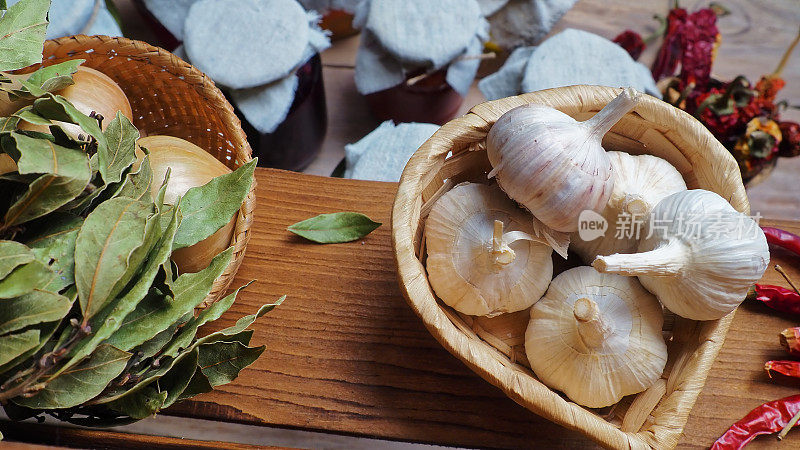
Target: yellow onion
x,y
8,106
7,164
191,166
92,91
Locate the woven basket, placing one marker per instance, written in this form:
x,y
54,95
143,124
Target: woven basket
x,y
170,97
494,348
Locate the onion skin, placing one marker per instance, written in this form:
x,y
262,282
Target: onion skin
x,y
7,165
92,91
191,166
7,106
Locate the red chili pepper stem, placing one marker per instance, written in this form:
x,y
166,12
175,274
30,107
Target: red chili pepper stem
x,y
786,277
786,55
789,426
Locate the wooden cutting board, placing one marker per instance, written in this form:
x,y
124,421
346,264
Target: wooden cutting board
x,y
345,354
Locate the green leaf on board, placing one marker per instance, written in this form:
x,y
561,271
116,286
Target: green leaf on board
x,y
155,313
109,236
13,254
221,362
14,345
108,321
53,243
208,208
335,228
81,383
120,151
56,107
22,33
213,312
31,309
26,278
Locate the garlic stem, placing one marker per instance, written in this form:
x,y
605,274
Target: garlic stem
x,y
666,260
635,205
503,254
602,122
591,328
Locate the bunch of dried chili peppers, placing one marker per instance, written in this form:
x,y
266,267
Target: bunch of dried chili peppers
x,y
744,117
778,416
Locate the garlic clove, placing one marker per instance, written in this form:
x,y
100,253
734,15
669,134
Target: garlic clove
x,y
482,256
701,257
596,337
640,182
552,164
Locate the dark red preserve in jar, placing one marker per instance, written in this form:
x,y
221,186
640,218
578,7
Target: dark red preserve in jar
x,y
428,100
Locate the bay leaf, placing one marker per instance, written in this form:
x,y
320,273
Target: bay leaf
x,y
141,404
8,124
137,184
150,348
14,345
22,33
29,116
46,331
199,384
30,309
108,321
81,383
44,195
155,314
105,242
55,77
120,151
177,379
53,244
3,5
13,254
43,156
240,326
335,228
213,312
58,108
208,208
25,278
221,362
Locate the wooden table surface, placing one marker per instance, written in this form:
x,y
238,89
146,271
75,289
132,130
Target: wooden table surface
x,y
345,354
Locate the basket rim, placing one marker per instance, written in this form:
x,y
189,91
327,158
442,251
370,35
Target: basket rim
x,y
472,128
139,52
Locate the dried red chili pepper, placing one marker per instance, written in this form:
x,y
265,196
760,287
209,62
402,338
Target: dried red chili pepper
x,y
783,238
788,368
790,340
632,42
768,418
776,297
790,142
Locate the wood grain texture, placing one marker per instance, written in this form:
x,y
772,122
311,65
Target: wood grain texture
x,y
16,433
345,354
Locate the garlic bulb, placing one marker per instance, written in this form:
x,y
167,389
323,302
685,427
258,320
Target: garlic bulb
x,y
481,258
701,257
640,182
552,164
596,337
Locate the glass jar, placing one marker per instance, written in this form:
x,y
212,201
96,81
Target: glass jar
x,y
298,139
428,100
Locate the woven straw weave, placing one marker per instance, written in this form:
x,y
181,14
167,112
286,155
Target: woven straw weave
x,y
170,97
494,348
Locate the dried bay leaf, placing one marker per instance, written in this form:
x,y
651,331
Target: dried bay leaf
x,y
137,184
221,362
111,319
240,326
13,254
154,345
30,309
28,116
120,151
58,108
155,313
8,124
105,242
82,382
54,77
140,404
44,195
208,208
22,34
46,331
14,345
335,228
25,279
53,243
